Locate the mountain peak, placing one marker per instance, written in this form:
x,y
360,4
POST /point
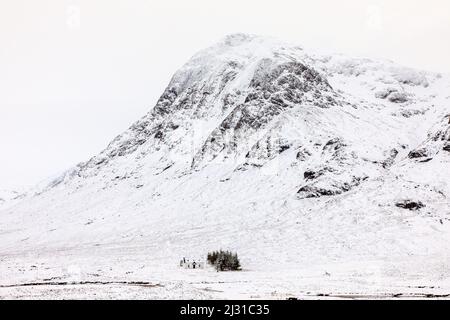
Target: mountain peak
x,y
229,97
238,47
236,39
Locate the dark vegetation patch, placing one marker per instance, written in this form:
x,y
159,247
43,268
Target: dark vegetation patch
x,y
224,260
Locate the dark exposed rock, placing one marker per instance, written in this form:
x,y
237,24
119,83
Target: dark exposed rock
x,y
392,94
419,153
336,188
315,192
310,175
442,135
303,154
334,144
337,150
166,100
408,113
410,205
314,174
283,148
391,158
101,161
397,97
356,181
266,149
446,147
140,141
383,94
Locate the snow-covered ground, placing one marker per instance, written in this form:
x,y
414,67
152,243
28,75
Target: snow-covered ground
x,y
327,174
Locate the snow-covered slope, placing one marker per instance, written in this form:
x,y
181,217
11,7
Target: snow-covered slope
x,y
309,165
9,197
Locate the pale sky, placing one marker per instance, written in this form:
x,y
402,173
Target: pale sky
x,y
75,73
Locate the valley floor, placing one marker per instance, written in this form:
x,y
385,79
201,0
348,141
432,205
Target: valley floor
x,y
74,275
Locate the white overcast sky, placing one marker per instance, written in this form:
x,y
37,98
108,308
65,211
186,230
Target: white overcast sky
x,y
75,73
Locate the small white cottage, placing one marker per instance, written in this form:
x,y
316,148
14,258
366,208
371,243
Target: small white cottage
x,y
191,264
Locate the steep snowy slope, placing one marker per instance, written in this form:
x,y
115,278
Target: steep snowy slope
x,y
296,159
9,197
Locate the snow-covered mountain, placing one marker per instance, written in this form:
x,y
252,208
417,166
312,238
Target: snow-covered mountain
x,y
324,172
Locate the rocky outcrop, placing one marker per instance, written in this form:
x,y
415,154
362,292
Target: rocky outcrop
x,y
389,161
418,153
393,95
438,139
274,89
329,187
303,154
314,174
